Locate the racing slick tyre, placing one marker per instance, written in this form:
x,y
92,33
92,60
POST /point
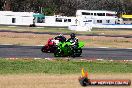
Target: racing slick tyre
x,y
76,52
43,49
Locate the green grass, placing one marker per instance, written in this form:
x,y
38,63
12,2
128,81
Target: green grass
x,y
65,30
21,66
35,29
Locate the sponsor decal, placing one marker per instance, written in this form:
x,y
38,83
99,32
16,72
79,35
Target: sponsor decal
x,y
85,81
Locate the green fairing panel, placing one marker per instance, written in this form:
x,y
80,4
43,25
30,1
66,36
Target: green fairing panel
x,y
81,44
65,49
62,45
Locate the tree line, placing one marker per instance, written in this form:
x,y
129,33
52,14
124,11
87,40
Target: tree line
x,y
65,7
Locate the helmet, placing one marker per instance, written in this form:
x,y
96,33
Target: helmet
x,y
60,34
72,35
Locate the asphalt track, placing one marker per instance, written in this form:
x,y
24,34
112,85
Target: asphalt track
x,y
13,51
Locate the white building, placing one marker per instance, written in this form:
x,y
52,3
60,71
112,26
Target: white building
x,y
57,21
87,19
20,18
98,16
16,18
84,20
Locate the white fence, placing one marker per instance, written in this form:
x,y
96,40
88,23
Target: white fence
x,y
120,26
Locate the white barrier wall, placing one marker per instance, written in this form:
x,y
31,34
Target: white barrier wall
x,y
112,26
80,28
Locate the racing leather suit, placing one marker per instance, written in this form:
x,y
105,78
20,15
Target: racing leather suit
x,y
74,41
60,38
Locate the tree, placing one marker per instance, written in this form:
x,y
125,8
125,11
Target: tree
x,y
65,7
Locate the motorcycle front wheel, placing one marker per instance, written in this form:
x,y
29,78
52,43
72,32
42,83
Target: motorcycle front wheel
x,y
76,52
44,49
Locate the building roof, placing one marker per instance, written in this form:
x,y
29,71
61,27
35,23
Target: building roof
x,y
97,11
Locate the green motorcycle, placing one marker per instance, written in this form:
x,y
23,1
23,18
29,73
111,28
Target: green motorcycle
x,y
68,49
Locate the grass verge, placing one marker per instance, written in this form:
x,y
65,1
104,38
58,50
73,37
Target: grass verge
x,y
41,39
65,30
22,66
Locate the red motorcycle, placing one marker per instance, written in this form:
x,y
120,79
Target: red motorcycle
x,y
50,47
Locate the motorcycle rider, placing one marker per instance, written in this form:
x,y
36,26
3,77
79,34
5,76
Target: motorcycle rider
x,y
73,39
61,38
53,42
